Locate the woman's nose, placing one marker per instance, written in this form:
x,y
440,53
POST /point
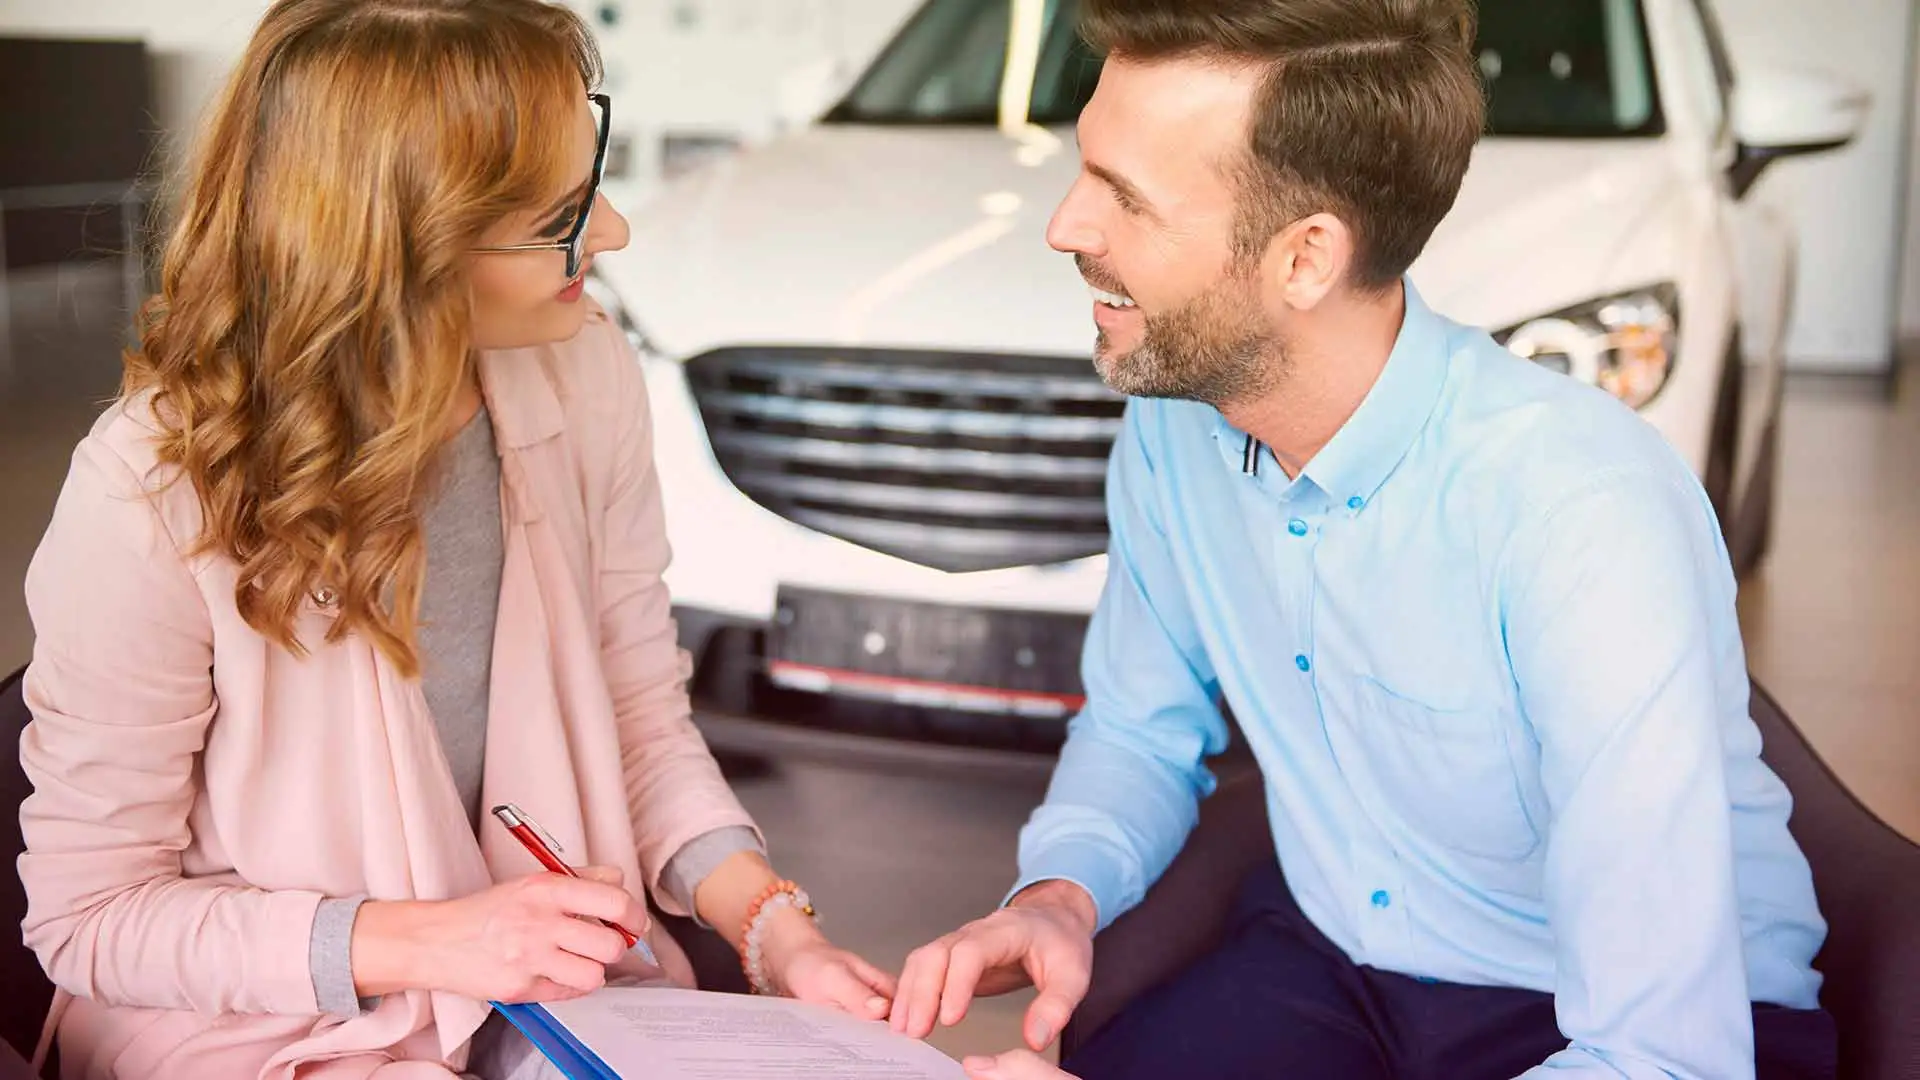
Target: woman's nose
x,y
609,230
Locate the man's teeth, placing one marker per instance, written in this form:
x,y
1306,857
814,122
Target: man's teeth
x,y
1110,299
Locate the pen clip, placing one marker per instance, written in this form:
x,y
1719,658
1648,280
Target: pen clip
x,y
512,816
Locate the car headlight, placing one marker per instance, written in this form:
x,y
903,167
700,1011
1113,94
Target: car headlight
x,y
604,294
1623,344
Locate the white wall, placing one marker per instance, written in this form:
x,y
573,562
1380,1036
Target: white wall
x,y
718,62
1847,204
192,41
1910,275
672,64
718,65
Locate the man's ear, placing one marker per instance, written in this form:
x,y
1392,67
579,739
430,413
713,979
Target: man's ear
x,y
1308,259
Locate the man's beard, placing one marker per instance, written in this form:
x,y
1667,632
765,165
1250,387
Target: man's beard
x,y
1217,348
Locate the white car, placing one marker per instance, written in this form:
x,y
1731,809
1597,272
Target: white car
x,y
880,438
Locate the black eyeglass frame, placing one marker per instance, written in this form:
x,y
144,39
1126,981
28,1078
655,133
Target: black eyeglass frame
x,y
575,242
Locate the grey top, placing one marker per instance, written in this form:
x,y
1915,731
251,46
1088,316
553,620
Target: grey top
x,y
466,553
458,608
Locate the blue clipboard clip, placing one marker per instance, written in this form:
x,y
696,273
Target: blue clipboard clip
x,y
551,1037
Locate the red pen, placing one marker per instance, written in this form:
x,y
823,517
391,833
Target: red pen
x,y
546,849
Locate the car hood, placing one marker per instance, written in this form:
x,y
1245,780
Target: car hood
x,y
935,238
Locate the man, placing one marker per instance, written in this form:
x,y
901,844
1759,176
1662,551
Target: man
x,y
1475,620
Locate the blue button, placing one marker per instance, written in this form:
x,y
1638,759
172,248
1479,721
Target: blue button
x,y
1356,503
1301,663
1381,899
1297,527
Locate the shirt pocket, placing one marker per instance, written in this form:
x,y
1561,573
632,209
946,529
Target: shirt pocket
x,y
1447,774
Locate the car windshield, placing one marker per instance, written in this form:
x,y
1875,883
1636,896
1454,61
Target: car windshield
x,y
1553,68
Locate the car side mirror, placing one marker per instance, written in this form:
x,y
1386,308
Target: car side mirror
x,y
807,92
1785,113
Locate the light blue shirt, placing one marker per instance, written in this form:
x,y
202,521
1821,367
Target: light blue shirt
x,y
1485,651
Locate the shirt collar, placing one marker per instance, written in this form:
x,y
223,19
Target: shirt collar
x,y
1371,444
520,397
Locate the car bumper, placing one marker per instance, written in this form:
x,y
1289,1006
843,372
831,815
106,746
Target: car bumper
x,y
741,709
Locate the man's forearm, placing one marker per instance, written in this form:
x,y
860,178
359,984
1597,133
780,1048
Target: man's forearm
x,y
1113,820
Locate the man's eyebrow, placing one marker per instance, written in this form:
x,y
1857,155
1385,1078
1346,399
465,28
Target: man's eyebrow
x,y
1121,186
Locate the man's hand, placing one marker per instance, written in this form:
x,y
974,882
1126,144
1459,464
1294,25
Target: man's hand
x,y
1013,1065
1044,938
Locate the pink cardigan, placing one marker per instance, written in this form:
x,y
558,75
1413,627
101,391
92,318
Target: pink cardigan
x,y
198,791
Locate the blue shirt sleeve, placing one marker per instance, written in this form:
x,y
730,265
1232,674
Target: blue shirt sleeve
x,y
1618,612
1127,789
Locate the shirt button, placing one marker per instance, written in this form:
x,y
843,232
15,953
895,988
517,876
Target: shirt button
x,y
1302,663
1356,503
1297,527
1382,900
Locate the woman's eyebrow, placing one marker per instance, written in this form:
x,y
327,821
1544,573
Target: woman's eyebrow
x,y
561,203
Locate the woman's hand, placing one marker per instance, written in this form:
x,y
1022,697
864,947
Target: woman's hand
x,y
803,964
532,939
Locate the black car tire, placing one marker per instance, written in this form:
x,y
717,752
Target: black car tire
x,y
1746,515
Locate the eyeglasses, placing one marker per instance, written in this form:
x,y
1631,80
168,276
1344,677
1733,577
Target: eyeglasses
x,y
575,242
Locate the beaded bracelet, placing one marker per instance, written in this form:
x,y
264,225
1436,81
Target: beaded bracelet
x,y
779,894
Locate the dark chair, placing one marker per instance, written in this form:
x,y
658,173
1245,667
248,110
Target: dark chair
x,y
25,992
23,1004
1867,877
716,966
14,1065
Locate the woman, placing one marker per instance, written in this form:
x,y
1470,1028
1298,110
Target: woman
x,y
373,541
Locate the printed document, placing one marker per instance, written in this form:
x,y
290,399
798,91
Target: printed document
x,y
648,1033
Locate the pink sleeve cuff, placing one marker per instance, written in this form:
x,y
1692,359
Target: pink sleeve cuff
x,y
278,959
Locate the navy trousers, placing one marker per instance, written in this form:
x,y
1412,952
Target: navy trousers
x,y
1277,999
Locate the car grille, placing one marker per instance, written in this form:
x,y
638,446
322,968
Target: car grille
x,y
960,462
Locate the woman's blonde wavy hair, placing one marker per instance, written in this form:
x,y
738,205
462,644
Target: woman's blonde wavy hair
x,y
311,336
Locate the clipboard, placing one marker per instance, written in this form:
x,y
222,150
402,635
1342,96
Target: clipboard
x,y
662,1031
551,1037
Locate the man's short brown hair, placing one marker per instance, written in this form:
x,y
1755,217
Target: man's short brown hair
x,y
1369,109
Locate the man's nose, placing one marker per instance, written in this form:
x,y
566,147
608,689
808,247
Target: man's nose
x,y
1072,230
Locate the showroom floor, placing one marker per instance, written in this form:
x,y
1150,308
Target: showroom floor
x,y
896,857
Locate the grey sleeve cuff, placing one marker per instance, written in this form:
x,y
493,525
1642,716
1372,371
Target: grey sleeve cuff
x,y
699,857
330,958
